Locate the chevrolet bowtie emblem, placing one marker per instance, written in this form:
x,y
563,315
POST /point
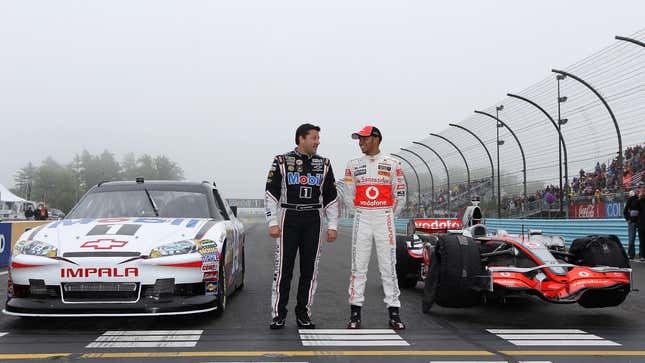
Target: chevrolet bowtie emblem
x,y
103,244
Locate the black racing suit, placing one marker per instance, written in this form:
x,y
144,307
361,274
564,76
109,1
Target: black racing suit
x,y
299,189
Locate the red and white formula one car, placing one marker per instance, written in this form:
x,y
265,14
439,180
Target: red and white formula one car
x,y
465,268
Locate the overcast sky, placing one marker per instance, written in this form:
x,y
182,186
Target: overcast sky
x,y
220,86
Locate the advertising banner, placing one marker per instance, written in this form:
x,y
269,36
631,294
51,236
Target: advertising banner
x,y
614,210
581,211
5,243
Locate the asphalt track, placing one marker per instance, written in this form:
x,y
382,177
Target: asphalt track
x,y
520,331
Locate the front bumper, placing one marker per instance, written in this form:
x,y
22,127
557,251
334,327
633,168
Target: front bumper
x,y
53,287
188,299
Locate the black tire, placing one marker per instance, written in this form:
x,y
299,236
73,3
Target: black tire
x,y
604,298
599,250
221,288
243,263
452,280
407,268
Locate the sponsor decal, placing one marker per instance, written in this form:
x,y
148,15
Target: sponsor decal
x,y
532,244
317,168
384,173
372,180
290,168
583,274
360,171
211,276
316,161
210,288
208,251
348,172
437,224
104,244
301,179
391,237
399,172
371,192
348,180
400,193
298,162
90,272
384,167
400,187
210,266
299,169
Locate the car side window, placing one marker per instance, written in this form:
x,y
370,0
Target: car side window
x,y
220,205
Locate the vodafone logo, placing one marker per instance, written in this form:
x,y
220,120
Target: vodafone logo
x,y
372,192
583,273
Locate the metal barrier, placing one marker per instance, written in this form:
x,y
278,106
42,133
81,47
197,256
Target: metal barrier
x,y
570,229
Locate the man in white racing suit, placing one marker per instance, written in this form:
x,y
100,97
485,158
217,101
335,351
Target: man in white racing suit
x,y
375,189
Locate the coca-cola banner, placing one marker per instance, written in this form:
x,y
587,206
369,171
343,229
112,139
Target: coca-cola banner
x,y
587,210
437,224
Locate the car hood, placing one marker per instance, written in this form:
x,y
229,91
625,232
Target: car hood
x,y
122,234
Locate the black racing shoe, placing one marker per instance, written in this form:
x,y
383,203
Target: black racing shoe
x,y
304,322
277,323
395,319
354,318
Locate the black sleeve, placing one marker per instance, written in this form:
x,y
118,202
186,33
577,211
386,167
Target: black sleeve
x,y
272,192
329,187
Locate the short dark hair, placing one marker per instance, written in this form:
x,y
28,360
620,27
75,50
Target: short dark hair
x,y
303,130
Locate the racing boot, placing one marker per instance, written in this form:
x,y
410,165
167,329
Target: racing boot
x,y
304,321
395,318
354,318
278,322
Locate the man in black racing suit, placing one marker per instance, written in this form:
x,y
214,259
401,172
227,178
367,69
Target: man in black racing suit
x,y
300,187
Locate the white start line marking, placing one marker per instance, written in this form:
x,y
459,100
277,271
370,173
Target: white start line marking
x,y
551,337
351,338
147,339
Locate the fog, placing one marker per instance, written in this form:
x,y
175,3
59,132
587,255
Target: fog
x,y
219,87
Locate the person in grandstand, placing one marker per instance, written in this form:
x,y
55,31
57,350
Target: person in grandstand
x,y
300,188
630,212
641,220
376,191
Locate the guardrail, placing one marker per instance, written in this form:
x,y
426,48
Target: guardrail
x,y
570,229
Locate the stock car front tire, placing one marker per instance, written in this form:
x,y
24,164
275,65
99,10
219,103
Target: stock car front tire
x,y
221,288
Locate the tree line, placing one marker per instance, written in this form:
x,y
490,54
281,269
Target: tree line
x,y
61,185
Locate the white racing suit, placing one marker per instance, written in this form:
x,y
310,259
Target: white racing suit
x,y
375,189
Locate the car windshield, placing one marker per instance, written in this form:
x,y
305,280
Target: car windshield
x,y
135,203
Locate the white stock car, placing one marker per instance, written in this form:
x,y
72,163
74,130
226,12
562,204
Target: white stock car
x,y
131,249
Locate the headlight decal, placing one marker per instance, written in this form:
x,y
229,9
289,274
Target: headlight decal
x,y
172,249
35,248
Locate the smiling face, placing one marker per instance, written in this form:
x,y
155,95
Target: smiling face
x,y
309,144
369,144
